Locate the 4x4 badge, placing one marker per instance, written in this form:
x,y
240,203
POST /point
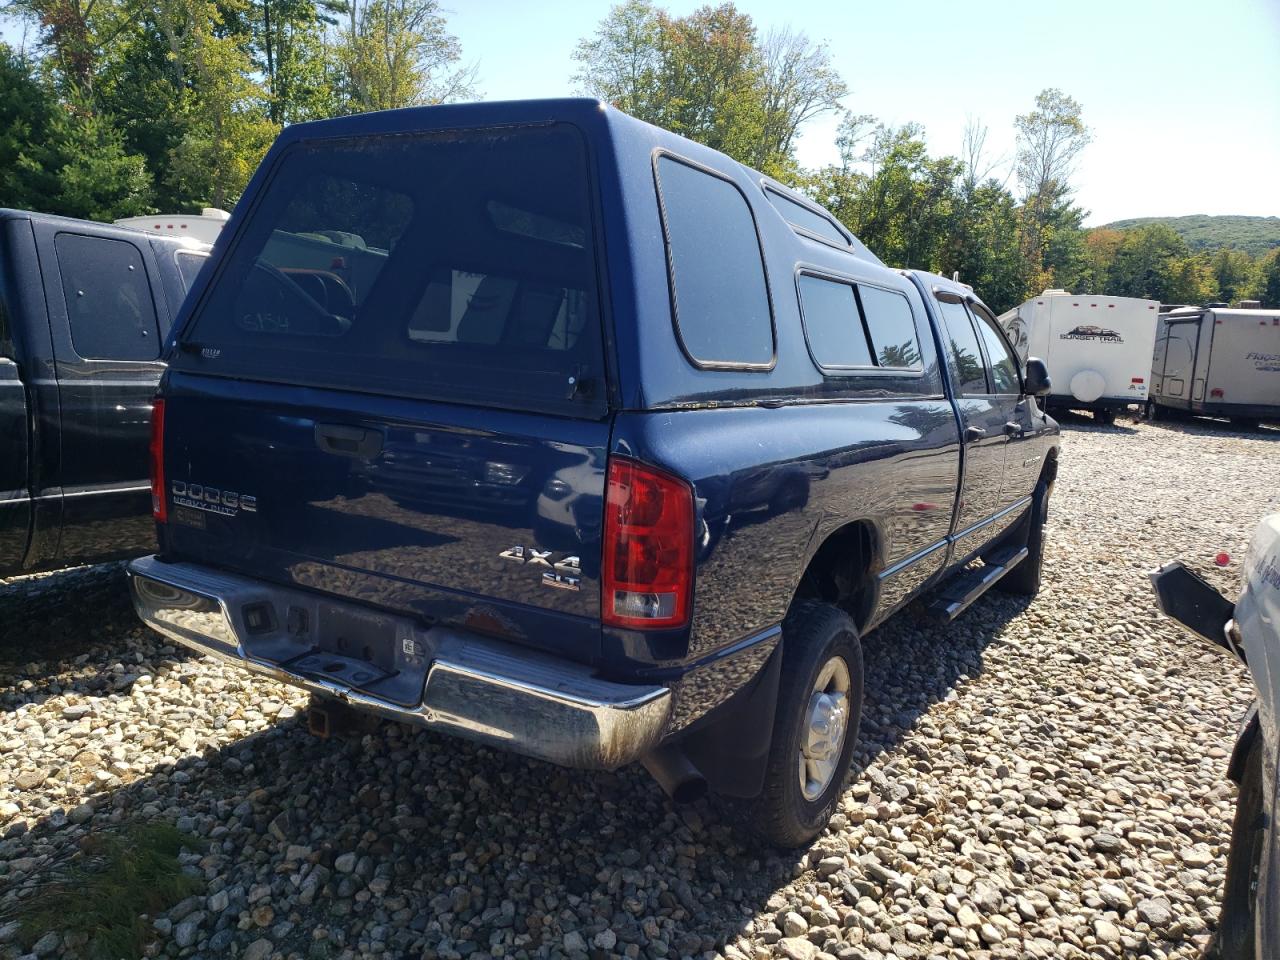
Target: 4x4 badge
x,y
562,574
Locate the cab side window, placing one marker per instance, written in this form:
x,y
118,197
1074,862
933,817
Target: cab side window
x,y
108,298
963,349
1004,369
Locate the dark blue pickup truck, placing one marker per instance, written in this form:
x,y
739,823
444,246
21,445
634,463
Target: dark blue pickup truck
x,y
536,424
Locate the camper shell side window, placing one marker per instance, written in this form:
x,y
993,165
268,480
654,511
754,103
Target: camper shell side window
x,y
721,304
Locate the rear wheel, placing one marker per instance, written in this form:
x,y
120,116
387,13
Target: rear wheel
x,y
1237,922
1024,579
815,726
1105,417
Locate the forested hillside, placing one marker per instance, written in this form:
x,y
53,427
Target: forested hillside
x,y
122,107
1254,235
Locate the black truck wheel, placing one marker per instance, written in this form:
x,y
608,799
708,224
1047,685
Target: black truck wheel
x,y
1236,924
815,727
1024,579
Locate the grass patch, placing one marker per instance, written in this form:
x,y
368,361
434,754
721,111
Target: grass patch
x,y
103,890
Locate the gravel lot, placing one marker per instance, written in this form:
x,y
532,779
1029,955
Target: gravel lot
x,y
1036,780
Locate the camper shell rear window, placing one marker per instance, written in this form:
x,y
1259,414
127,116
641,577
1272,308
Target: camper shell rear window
x,y
454,265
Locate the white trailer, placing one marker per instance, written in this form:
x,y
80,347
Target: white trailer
x,y
1097,349
204,228
1218,362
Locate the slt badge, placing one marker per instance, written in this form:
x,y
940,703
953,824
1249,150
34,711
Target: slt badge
x,y
560,574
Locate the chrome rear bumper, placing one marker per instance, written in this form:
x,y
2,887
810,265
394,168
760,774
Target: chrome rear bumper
x,y
476,687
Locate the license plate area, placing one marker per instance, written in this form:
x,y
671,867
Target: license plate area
x,y
358,674
357,635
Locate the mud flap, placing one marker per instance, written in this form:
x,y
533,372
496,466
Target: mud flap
x,y
731,749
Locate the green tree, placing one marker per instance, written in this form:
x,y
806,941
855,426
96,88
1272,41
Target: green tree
x,y
1050,139
1155,262
708,76
1236,274
399,53
223,112
62,158
291,51
1268,285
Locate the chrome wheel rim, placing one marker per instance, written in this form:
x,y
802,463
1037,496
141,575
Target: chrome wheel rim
x,y
826,724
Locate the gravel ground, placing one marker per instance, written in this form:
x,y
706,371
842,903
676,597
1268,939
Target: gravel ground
x,y
1036,780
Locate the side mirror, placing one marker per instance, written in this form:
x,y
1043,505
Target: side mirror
x,y
1035,378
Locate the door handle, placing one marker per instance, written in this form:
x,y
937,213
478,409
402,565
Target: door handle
x,y
973,433
347,441
1013,428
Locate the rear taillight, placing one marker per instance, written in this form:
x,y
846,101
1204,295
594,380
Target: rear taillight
x,y
1216,392
159,504
647,574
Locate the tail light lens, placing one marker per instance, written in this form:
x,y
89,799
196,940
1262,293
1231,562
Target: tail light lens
x,y
648,547
159,504
1216,392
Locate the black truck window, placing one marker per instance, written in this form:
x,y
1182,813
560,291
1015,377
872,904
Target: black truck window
x,y
189,264
718,286
832,324
108,298
892,328
453,265
966,354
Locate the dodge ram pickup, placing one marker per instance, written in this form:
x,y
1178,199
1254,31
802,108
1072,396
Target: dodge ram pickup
x,y
84,309
536,424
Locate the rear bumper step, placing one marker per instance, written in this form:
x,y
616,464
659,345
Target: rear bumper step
x,y
461,683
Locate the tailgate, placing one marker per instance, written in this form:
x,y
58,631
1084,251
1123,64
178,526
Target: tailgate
x,y
483,519
398,359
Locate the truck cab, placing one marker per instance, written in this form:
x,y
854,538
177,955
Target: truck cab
x,y
84,310
539,425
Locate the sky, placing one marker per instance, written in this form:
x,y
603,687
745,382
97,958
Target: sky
x,y
1182,96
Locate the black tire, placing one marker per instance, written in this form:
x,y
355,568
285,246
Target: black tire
x,y
1244,423
812,634
1105,417
1236,938
1024,579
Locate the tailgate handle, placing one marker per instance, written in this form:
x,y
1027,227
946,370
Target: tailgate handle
x,y
348,441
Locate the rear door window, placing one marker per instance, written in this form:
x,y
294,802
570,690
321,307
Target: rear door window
x,y
453,265
718,286
109,304
963,350
892,328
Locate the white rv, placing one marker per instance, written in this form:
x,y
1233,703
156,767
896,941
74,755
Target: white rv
x,y
1218,362
204,228
1097,349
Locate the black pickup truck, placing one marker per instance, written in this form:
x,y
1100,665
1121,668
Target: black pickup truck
x,y
539,425
84,310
